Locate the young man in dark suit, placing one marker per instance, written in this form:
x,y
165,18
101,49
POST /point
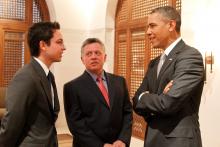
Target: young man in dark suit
x,y
32,103
97,118
170,94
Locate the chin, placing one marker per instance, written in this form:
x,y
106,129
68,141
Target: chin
x,y
58,60
155,46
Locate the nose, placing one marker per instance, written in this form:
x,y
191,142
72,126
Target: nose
x,y
93,55
63,47
148,31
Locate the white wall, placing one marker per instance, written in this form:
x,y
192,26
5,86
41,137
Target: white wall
x,y
200,28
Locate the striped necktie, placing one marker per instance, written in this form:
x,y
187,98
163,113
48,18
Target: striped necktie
x,y
160,64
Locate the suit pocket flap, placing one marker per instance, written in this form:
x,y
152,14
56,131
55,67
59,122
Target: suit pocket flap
x,y
181,132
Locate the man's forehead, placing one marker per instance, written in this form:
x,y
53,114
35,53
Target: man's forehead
x,y
155,17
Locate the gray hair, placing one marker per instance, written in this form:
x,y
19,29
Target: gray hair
x,y
169,13
90,41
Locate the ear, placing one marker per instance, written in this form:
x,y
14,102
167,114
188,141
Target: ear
x,y
105,57
172,25
82,60
42,45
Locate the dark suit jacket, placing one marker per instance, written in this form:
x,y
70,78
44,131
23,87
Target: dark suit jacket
x,y
89,118
29,119
173,117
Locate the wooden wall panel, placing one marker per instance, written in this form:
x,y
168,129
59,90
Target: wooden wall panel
x,y
16,16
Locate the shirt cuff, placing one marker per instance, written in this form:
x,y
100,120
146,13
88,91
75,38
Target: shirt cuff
x,y
145,92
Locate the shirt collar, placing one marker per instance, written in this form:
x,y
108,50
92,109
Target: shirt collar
x,y
172,45
94,76
46,70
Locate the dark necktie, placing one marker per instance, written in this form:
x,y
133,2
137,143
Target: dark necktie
x,y
50,78
160,64
103,90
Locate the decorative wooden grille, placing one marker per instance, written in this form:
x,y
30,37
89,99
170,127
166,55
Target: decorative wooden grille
x,y
123,11
178,5
138,43
122,55
12,9
154,52
14,52
141,8
37,12
137,60
132,50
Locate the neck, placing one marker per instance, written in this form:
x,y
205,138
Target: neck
x,y
97,73
173,37
46,62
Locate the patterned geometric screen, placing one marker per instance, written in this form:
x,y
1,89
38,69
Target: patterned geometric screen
x,y
122,54
37,13
123,11
13,54
133,52
137,59
178,5
137,73
12,9
154,52
14,51
139,126
141,8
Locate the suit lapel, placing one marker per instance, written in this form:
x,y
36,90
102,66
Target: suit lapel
x,y
92,86
171,57
43,80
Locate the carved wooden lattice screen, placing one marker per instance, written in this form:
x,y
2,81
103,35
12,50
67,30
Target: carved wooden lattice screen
x,y
13,54
15,18
132,50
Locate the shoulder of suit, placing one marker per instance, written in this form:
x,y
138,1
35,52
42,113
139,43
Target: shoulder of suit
x,y
26,70
76,80
25,76
114,76
190,50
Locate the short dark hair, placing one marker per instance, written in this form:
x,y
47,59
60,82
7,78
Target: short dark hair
x,y
90,41
170,13
41,31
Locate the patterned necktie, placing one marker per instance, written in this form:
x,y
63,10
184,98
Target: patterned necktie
x,y
103,89
160,64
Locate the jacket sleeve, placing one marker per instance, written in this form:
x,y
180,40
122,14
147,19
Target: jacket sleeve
x,y
18,100
143,88
188,77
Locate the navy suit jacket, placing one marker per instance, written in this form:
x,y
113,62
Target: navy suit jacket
x,y
173,117
90,119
